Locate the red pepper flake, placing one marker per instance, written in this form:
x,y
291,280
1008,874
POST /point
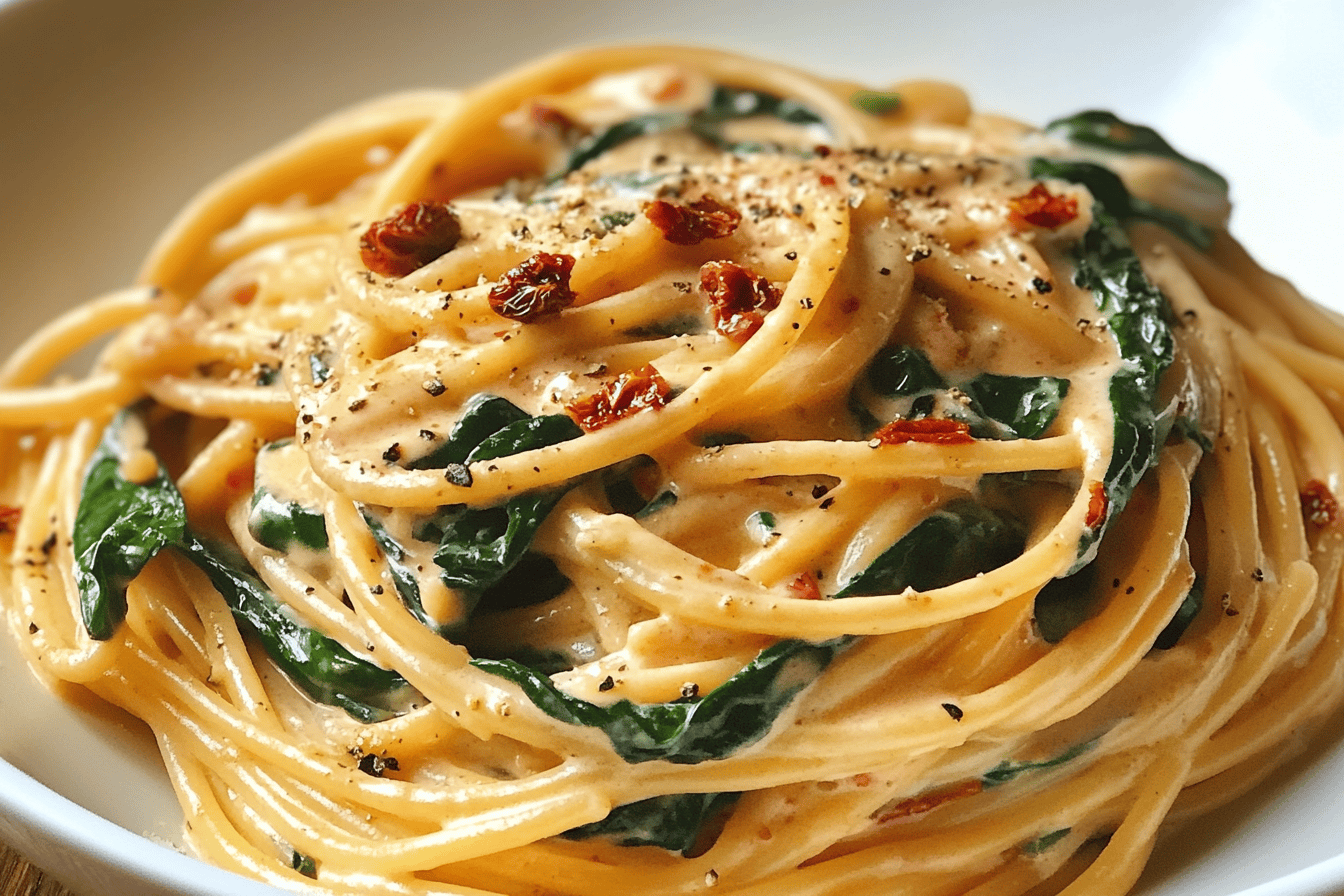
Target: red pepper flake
x,y
805,587
1097,505
687,225
243,295
932,800
1041,208
630,393
410,239
1318,505
827,180
239,477
740,299
937,430
545,116
537,288
9,518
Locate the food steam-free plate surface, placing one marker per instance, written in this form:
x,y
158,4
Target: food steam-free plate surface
x,y
114,114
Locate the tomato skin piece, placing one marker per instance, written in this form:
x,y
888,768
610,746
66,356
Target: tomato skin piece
x,y
935,430
1041,208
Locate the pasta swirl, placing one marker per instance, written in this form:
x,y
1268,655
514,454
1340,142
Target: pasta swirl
x,y
656,470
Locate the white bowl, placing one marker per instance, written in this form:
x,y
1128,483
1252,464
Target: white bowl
x,y
114,114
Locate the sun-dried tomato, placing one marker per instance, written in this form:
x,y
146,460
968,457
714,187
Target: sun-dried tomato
x,y
1097,505
739,298
805,587
918,805
937,430
537,288
410,239
1041,208
643,389
1319,506
9,518
686,225
545,116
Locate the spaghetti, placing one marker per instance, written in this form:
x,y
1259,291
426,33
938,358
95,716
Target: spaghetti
x,y
656,470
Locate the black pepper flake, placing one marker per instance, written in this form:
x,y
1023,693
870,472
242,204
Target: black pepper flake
x,y
885,272
607,684
359,404
428,435
307,418
49,544
690,690
393,453
954,711
819,490
1115,583
826,504
1041,286
458,474
791,255
33,629
375,766
434,386
376,589
1258,574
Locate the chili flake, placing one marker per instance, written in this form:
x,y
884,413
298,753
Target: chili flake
x,y
687,225
1318,505
410,239
918,805
537,288
805,587
1097,505
1041,208
739,298
634,391
937,430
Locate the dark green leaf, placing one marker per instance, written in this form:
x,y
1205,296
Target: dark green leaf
x,y
1185,614
1064,604
737,713
674,822
533,579
304,864
956,542
323,668
726,104
903,370
1106,130
875,102
1045,841
1008,770
1024,405
405,580
613,220
483,416
119,527
280,524
480,545
1107,188
126,523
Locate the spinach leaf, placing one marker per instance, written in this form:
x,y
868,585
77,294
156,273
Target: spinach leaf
x,y
674,822
279,525
737,713
323,668
902,370
1106,130
480,545
999,407
726,104
119,527
1008,769
484,416
403,575
1107,188
1190,606
1045,841
1065,603
1136,314
956,542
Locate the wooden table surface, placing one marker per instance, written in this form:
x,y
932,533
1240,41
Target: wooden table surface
x,y
19,878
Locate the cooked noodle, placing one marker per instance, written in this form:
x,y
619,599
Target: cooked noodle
x,y
657,470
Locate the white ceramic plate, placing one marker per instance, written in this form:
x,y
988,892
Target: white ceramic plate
x,y
111,115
